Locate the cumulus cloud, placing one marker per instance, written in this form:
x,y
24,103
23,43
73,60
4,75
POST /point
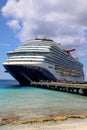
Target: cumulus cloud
x,y
14,24
62,20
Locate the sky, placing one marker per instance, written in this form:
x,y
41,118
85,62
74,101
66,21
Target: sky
x,y
64,21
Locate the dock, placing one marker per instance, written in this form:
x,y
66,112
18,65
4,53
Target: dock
x,y
64,87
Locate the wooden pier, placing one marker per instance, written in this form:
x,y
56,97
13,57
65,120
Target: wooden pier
x,y
65,87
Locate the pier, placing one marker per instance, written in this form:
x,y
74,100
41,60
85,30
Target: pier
x,y
64,87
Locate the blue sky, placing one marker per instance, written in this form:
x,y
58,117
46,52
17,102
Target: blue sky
x,y
65,21
8,41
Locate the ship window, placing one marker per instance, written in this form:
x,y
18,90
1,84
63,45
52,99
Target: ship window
x,y
50,67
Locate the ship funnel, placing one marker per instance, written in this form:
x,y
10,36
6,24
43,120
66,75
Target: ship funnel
x,y
69,51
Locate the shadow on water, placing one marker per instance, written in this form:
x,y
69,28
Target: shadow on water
x,y
9,84
12,87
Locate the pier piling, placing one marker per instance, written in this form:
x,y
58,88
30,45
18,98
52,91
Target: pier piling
x,y
64,87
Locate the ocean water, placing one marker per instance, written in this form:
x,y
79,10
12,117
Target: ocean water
x,y
29,102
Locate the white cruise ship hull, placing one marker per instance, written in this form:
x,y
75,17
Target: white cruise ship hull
x,y
25,74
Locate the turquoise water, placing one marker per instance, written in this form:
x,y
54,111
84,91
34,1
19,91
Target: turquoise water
x,y
29,102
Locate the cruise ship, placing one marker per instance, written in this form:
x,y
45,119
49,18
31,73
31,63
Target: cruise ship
x,y
42,59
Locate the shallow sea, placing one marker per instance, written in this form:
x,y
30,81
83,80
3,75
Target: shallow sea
x,y
30,103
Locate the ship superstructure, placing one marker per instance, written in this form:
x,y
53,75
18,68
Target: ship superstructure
x,y
42,59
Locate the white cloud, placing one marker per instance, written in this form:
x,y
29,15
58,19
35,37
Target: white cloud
x,y
80,53
14,24
62,20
